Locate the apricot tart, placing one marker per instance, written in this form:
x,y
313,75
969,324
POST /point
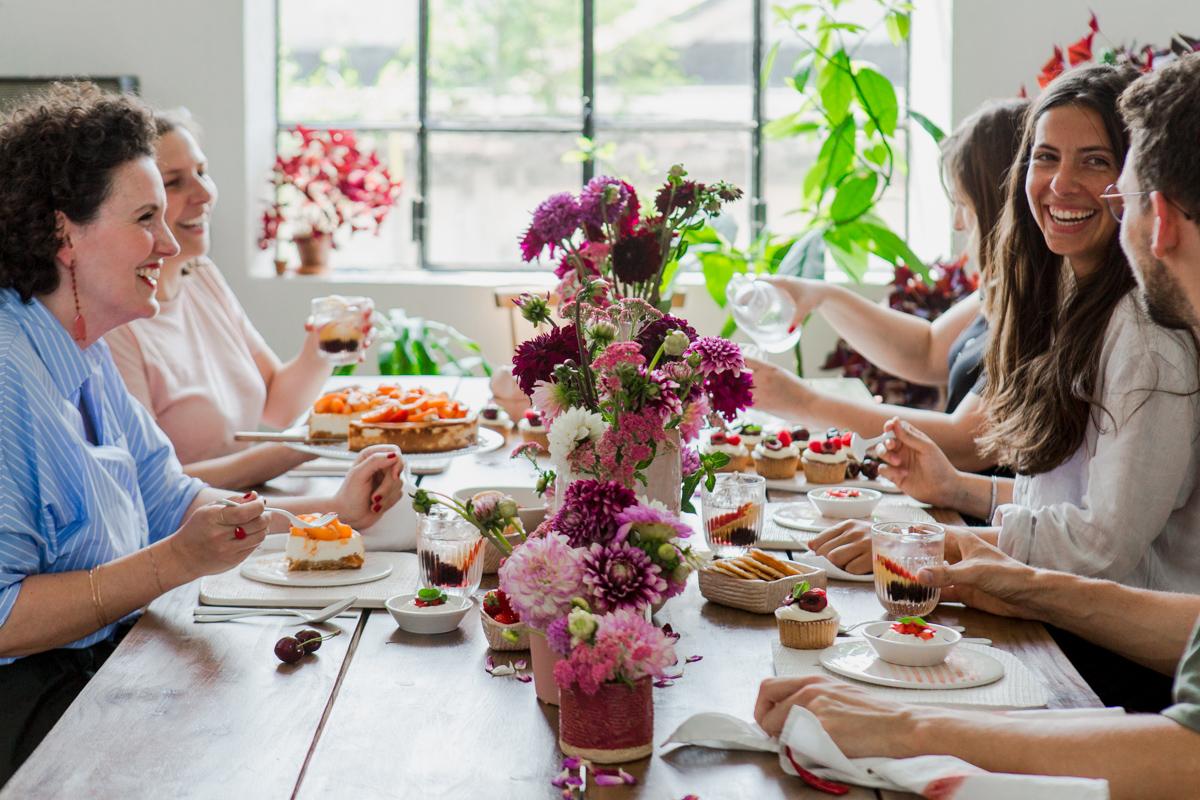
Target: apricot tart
x,y
416,421
334,546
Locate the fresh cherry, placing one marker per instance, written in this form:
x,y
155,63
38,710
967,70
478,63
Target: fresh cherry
x,y
490,413
800,434
852,469
813,600
870,470
310,639
733,439
289,650
718,438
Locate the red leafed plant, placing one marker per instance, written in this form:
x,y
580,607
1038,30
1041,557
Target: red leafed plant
x,y
913,296
326,183
1144,58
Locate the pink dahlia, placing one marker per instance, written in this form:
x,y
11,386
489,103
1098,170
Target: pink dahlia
x,y
558,637
621,576
690,460
652,524
645,649
589,511
536,358
540,579
695,414
717,355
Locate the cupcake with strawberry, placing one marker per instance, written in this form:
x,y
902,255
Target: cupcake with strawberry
x,y
731,445
751,432
806,620
533,428
501,625
825,460
776,457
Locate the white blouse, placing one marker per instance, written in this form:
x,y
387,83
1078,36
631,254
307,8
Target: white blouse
x,y
1124,506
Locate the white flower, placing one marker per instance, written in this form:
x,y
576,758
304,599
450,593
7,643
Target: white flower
x,y
571,429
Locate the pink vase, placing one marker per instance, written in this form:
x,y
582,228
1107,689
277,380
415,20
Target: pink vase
x,y
612,726
664,477
543,660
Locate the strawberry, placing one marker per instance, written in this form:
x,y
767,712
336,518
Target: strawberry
x,y
815,446
846,439
506,618
718,438
785,438
733,439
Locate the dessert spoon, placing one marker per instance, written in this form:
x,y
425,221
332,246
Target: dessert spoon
x,y
215,614
320,522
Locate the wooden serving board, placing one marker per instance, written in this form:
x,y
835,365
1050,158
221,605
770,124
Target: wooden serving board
x,y
232,589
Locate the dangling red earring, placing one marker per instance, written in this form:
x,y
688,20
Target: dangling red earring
x,y
78,326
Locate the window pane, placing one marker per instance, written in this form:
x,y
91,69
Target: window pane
x,y
686,59
483,188
491,60
334,66
394,247
644,158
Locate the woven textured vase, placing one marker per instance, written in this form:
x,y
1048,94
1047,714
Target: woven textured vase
x,y
612,726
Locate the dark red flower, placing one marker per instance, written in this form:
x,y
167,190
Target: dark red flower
x,y
536,358
671,198
650,338
730,392
637,256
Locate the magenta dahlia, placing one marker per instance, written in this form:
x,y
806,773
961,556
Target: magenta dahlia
x,y
730,392
603,201
558,637
536,358
589,511
717,355
651,336
621,576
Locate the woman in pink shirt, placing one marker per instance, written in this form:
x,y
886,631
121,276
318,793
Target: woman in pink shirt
x,y
200,366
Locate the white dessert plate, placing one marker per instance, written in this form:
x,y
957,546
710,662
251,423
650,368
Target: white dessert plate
x,y
832,572
486,441
963,668
271,567
804,516
800,484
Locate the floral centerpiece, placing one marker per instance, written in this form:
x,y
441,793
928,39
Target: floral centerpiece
x,y
620,382
604,550
604,678
324,184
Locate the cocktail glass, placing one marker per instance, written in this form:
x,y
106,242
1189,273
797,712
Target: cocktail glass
x,y
450,551
733,512
342,324
898,551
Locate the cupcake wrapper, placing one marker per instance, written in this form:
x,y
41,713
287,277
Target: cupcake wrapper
x,y
820,472
812,635
776,468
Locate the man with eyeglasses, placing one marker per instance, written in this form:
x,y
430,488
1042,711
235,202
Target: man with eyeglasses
x,y
1157,202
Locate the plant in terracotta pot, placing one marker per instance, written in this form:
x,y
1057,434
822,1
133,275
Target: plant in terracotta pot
x,y
605,675
324,183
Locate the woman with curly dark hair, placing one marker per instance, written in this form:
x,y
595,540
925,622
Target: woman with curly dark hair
x,y
97,517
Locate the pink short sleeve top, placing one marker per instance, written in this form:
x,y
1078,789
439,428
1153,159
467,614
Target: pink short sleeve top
x,y
195,366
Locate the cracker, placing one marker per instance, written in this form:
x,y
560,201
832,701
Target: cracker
x,y
774,563
729,567
761,570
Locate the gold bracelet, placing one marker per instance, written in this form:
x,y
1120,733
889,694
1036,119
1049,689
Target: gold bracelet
x,y
157,577
96,597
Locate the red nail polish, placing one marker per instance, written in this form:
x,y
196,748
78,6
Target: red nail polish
x,y
391,455
377,508
792,328
377,498
239,533
248,496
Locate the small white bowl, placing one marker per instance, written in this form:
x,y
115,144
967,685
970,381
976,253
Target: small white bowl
x,y
928,654
439,619
859,507
530,508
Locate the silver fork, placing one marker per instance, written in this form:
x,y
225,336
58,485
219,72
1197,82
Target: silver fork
x,y
319,522
325,614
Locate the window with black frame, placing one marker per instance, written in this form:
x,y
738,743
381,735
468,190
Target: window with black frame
x,y
484,107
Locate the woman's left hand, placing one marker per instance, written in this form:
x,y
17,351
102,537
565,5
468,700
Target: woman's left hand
x,y
860,724
777,390
372,486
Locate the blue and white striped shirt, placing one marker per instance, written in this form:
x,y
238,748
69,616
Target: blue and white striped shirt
x,y
66,504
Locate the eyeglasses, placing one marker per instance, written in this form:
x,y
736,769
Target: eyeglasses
x,y
1115,200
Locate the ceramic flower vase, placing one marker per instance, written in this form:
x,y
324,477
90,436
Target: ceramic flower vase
x,y
612,726
543,660
314,253
664,477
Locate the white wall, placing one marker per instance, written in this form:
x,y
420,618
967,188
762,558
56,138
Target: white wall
x,y
216,57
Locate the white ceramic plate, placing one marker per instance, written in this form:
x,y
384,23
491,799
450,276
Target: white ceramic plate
x,y
963,668
271,567
487,441
804,516
800,485
832,572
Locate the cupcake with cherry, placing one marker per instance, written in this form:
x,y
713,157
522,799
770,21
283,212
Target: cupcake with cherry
x,y
533,428
806,620
777,457
751,434
731,445
493,417
825,460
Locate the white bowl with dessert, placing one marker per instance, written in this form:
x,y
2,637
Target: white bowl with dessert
x,y
845,502
911,642
428,611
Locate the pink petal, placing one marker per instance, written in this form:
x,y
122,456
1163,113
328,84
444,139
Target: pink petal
x,y
672,677
524,678
625,776
692,660
608,780
490,663
571,762
521,664
663,683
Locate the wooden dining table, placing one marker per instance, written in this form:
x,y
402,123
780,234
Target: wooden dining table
x,y
188,710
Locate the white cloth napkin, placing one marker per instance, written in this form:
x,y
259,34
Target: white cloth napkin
x,y
804,744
